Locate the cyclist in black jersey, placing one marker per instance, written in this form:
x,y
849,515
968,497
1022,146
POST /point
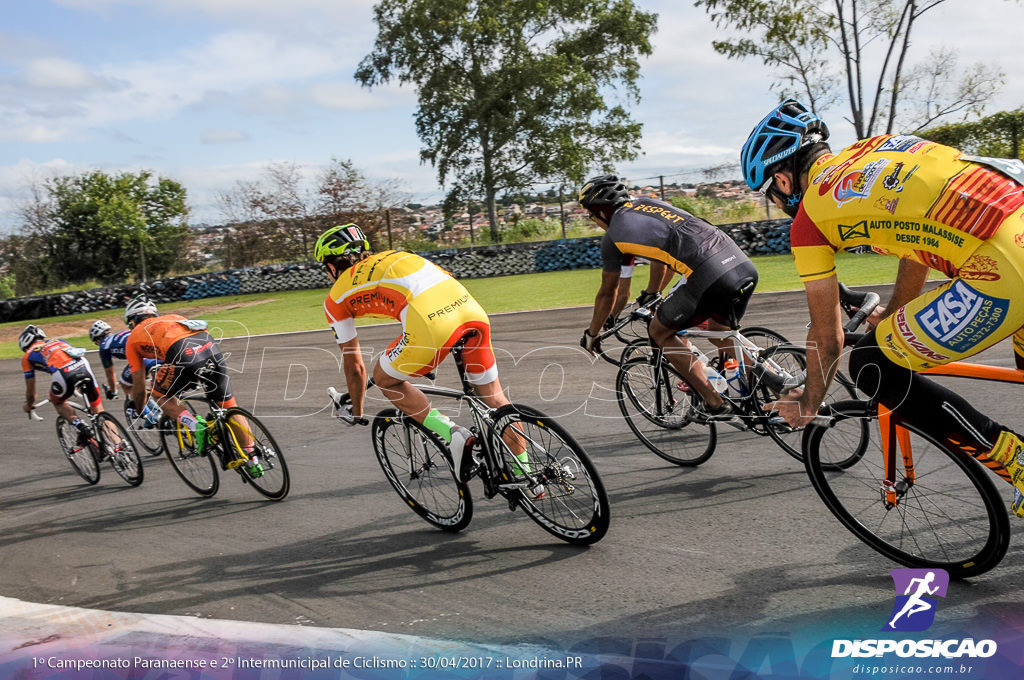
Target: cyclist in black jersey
x,y
719,277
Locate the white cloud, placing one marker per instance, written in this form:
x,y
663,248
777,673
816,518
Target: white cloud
x,y
59,74
222,136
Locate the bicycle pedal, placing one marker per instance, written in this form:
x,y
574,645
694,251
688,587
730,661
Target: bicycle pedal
x,y
232,464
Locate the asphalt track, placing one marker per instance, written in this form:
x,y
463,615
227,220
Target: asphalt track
x,y
737,546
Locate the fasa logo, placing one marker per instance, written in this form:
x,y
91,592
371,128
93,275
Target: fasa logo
x,y
916,590
961,317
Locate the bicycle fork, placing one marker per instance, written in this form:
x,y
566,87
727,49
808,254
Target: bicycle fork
x,y
895,438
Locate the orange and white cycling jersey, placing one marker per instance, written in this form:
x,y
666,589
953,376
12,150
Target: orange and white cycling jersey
x,y
434,308
960,215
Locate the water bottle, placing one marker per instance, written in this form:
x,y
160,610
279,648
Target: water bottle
x,y
732,376
716,379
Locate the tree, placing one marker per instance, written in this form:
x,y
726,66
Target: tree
x,y
512,90
280,215
1000,135
817,50
101,226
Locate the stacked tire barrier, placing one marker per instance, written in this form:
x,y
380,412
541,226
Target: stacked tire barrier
x,y
755,238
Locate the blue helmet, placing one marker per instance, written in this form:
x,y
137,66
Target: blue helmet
x,y
783,132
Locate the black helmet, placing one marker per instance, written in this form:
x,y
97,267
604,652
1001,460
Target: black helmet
x,y
606,191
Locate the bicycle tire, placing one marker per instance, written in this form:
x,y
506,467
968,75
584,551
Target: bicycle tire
x,y
790,439
655,408
118,447
416,463
766,336
574,504
198,471
951,517
83,461
150,439
270,478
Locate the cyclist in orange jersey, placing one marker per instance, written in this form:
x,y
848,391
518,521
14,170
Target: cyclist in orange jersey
x,y
932,206
183,347
435,311
67,367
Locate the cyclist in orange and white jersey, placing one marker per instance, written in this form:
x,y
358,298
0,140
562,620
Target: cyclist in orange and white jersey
x,y
67,368
934,208
435,310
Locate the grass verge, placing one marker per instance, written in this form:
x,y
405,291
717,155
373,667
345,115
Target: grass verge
x,y
299,310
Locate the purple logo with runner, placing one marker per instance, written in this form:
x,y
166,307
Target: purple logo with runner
x,y
916,590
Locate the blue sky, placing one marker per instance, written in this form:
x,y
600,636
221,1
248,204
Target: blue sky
x,y
208,92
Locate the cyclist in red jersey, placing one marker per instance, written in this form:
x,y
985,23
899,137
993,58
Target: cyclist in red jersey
x,y
932,206
67,367
435,311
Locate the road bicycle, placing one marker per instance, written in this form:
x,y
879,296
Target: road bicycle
x,y
146,428
236,440
915,500
665,413
109,441
554,483
629,329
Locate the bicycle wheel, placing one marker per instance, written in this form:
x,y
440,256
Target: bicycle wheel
x,y
198,471
572,505
149,438
793,360
245,437
655,406
416,464
116,446
950,516
82,459
763,337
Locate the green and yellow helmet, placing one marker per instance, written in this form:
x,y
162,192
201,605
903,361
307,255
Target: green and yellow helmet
x,y
345,239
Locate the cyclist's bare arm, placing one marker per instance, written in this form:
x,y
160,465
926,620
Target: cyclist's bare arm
x,y
659,277
355,373
824,344
139,388
30,394
910,279
604,300
622,293
111,376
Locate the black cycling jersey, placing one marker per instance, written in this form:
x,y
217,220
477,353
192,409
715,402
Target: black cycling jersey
x,y
659,231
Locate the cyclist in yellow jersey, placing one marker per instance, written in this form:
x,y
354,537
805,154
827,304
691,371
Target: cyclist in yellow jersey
x,y
934,208
436,311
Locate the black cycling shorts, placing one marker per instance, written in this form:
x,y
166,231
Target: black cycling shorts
x,y
183,363
64,381
713,291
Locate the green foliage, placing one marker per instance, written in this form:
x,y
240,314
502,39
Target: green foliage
x,y
7,286
823,53
718,210
101,226
1000,135
511,90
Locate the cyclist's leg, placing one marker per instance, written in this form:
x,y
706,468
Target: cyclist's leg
x,y
954,321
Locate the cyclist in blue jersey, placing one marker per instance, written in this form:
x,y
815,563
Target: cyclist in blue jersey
x,y
112,346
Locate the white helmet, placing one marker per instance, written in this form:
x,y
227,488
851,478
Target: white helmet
x,y
29,336
140,305
98,330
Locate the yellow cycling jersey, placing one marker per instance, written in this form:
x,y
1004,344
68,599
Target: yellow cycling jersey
x,y
382,286
905,196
